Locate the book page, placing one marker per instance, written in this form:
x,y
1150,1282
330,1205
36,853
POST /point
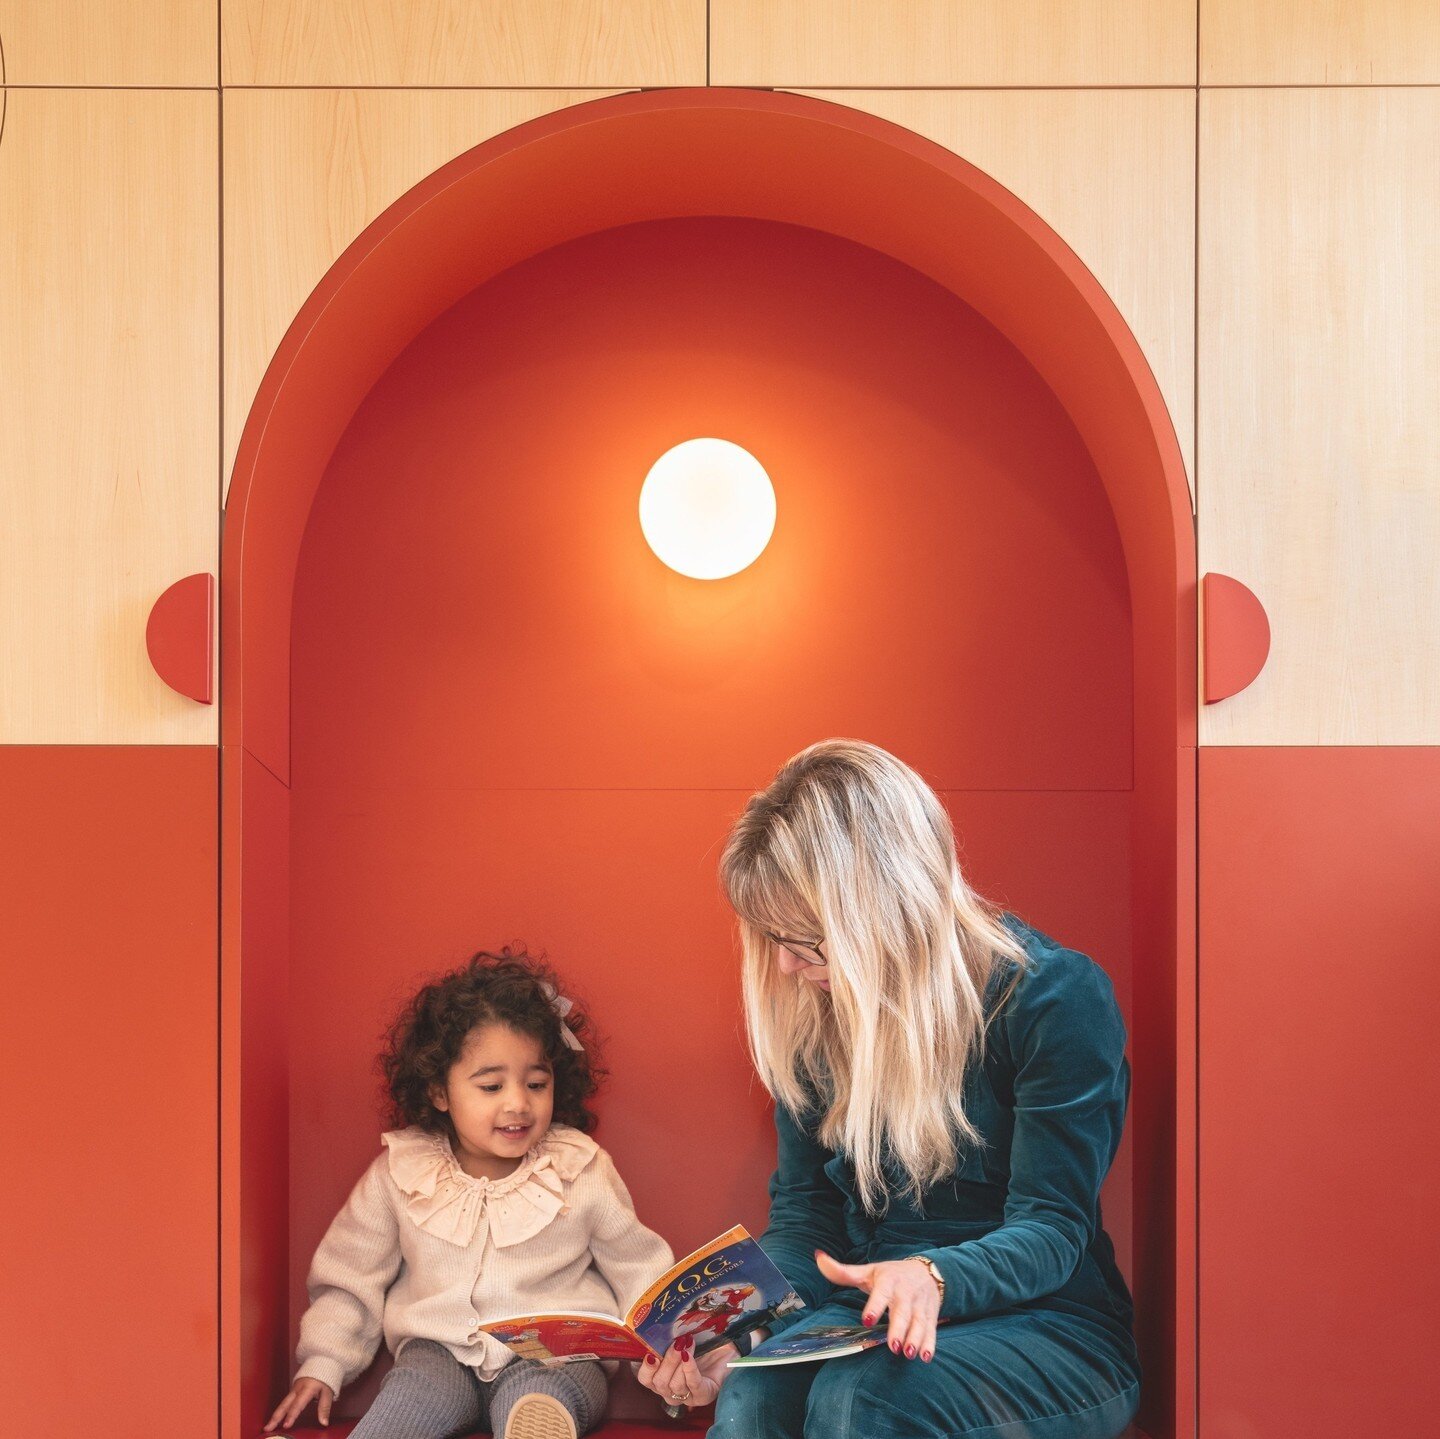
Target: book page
x,y
566,1338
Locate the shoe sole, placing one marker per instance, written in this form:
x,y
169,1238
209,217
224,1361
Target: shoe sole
x,y
538,1416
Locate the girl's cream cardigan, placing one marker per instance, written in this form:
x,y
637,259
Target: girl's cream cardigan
x,y
423,1250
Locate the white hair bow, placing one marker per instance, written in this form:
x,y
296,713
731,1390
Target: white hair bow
x,y
562,1006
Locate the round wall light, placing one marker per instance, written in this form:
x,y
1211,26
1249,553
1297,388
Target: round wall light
x,y
707,508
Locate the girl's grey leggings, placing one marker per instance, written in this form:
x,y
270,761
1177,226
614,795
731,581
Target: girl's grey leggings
x,y
430,1394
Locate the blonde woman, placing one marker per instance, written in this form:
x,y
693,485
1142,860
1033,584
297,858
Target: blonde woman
x,y
950,1086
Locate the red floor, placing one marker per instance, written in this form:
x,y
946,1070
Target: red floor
x,y
612,1429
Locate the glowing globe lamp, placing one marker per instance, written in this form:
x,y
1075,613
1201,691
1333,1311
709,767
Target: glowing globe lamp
x,y
707,508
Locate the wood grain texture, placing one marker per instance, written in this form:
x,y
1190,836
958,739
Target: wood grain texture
x,y
109,42
1319,388
1319,42
305,172
1113,173
625,43
935,43
108,415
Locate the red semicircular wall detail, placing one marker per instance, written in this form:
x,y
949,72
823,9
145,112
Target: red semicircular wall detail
x,y
179,637
1237,637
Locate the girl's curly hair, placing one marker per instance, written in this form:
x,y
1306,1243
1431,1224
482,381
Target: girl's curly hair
x,y
429,1033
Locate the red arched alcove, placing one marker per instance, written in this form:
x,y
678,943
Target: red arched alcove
x,y
618,189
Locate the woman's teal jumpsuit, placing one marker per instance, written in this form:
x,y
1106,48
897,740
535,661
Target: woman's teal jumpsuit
x,y
1039,1343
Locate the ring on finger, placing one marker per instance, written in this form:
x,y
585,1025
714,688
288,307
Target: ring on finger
x,y
680,1398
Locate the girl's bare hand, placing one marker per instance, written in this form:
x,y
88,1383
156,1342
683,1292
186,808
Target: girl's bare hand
x,y
295,1403
907,1289
678,1377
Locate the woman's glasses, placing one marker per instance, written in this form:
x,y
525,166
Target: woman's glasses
x,y
805,953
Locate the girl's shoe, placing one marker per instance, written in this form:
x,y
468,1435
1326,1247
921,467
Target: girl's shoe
x,y
538,1416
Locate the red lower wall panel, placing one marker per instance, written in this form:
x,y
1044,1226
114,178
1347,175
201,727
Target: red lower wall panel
x,y
1319,1088
108,1189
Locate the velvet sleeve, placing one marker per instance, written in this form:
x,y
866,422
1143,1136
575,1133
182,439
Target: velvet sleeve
x,y
806,1214
1072,1083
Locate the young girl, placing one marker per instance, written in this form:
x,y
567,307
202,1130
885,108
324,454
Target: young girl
x,y
487,1200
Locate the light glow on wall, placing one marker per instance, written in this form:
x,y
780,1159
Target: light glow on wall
x,y
707,508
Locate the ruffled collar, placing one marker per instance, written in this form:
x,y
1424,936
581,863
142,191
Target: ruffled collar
x,y
461,1209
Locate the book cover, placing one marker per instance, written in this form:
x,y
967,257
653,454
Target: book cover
x,y
722,1289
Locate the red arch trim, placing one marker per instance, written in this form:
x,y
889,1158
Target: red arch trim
x,y
802,161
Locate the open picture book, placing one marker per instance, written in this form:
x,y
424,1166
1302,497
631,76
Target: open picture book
x,y
715,1294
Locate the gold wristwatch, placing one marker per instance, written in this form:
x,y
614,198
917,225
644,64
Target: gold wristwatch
x,y
935,1273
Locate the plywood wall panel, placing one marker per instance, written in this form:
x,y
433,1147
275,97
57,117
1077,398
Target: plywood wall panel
x,y
625,43
935,43
1319,389
109,42
1319,42
305,172
109,413
1112,172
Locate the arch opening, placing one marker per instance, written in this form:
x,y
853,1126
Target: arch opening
x,y
533,210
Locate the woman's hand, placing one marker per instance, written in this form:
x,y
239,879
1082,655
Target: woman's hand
x,y
294,1404
678,1377
903,1286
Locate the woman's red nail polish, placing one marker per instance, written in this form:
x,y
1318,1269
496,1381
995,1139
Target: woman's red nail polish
x,y
868,1318
926,1356
649,1358
909,1351
894,1346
